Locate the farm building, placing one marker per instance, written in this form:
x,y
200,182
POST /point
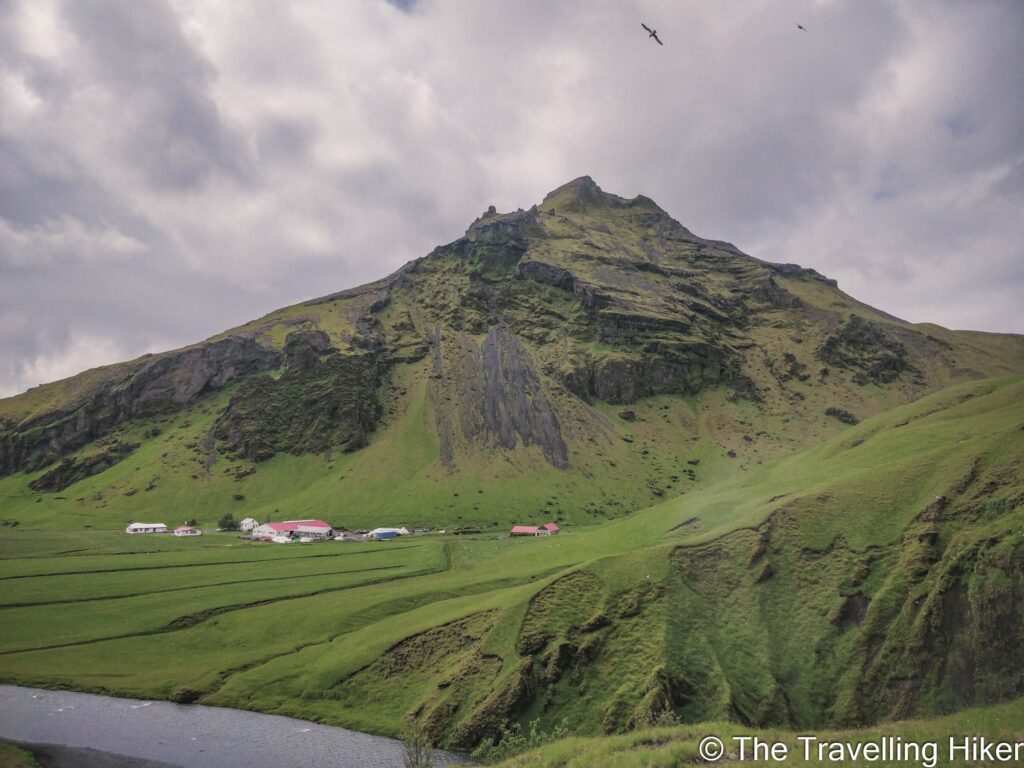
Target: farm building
x,y
146,528
187,530
383,534
313,529
374,534
248,525
549,529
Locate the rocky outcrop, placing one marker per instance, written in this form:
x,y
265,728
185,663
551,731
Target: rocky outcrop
x,y
73,469
841,414
548,274
324,399
623,379
795,270
152,385
863,346
514,404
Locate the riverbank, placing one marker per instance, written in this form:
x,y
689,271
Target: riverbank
x,y
66,729
15,756
60,756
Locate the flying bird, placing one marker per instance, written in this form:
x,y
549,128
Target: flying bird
x,y
801,26
652,33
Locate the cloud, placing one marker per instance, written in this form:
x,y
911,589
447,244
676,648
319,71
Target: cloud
x,y
170,168
61,239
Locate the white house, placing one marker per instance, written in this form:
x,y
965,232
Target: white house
x,y
248,525
187,530
146,528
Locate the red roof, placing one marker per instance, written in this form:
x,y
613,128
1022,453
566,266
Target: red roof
x,y
293,525
534,529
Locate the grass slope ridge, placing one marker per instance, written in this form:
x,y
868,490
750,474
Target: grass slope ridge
x,y
875,576
519,372
671,747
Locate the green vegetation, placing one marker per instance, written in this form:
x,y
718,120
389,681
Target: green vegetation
x,y
15,757
670,747
794,594
780,507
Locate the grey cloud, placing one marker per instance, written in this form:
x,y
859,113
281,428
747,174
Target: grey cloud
x,y
171,169
171,126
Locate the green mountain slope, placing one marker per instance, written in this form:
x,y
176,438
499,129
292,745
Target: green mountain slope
x,y
576,362
877,575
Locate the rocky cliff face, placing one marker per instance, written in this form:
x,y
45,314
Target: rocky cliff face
x,y
324,399
151,385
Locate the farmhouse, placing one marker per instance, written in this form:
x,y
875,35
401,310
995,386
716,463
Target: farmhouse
x,y
549,529
146,528
187,530
248,525
312,529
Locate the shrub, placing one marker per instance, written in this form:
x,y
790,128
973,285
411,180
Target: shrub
x,y
228,523
511,741
419,752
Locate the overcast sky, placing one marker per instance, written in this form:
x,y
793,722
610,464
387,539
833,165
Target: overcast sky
x,y
171,168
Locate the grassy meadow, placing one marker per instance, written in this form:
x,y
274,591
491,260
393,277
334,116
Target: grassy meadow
x,y
746,587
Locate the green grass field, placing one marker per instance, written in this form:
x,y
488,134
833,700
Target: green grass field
x,y
793,594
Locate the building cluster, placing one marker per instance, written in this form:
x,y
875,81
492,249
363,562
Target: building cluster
x,y
181,530
304,531
316,530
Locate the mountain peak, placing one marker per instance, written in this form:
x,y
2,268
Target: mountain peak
x,y
583,193
579,193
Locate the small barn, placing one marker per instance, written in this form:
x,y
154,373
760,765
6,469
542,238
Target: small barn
x,y
146,528
187,530
248,525
395,531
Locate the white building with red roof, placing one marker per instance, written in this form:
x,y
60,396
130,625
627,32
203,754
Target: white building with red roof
x,y
312,529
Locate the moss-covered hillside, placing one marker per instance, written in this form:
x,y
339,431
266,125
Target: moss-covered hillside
x,y
577,361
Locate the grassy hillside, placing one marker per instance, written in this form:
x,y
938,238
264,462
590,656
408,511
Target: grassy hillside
x,y
674,746
877,575
578,361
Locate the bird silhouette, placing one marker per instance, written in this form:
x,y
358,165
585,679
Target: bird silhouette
x,y
652,33
801,26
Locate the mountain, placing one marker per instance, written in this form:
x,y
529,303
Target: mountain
x,y
781,508
523,371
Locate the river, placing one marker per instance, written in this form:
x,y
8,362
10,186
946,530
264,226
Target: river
x,y
192,735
